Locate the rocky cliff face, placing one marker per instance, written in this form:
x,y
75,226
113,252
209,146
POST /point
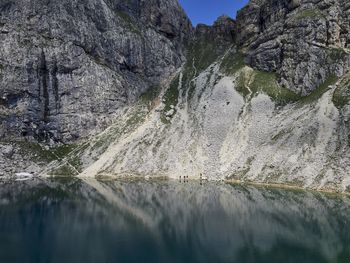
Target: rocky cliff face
x,y
305,42
265,98
67,68
223,32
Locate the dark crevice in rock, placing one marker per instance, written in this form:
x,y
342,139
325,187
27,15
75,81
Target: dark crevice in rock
x,y
5,6
43,87
10,100
54,81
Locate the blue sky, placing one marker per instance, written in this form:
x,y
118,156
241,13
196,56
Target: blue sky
x,y
206,11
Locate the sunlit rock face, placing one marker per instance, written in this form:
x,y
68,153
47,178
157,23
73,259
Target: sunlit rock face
x,y
68,67
222,117
305,42
263,98
219,133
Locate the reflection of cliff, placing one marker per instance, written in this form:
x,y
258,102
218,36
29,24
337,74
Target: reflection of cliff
x,y
213,221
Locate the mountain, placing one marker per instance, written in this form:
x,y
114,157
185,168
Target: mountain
x,y
69,67
262,99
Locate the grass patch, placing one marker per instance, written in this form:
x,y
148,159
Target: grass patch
x,y
171,96
266,82
72,166
232,63
62,151
103,140
242,82
201,55
317,93
309,14
135,119
188,74
336,54
39,153
341,96
263,82
64,170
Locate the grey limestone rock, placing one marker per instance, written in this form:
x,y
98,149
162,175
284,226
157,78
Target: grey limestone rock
x,y
305,42
68,67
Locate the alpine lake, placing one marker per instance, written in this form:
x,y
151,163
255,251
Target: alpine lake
x,y
133,220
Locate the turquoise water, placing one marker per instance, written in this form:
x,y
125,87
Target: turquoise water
x,y
168,221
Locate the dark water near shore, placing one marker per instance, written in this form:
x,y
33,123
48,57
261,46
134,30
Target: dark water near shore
x,y
167,221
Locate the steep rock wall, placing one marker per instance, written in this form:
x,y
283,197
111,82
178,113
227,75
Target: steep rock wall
x,y
67,68
304,41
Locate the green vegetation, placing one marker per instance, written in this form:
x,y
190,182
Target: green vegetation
x,y
38,153
317,93
232,62
309,14
242,82
103,140
264,82
62,151
341,95
65,170
135,119
128,22
202,54
72,164
171,97
336,54
41,154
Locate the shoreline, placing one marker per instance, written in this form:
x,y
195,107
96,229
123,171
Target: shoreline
x,y
228,181
190,179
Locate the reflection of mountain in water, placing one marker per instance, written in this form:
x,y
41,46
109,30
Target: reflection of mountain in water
x,y
165,221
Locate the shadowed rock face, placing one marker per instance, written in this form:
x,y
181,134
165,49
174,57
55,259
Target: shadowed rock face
x,y
68,67
303,41
223,31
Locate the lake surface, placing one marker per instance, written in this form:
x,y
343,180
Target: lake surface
x,y
73,220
